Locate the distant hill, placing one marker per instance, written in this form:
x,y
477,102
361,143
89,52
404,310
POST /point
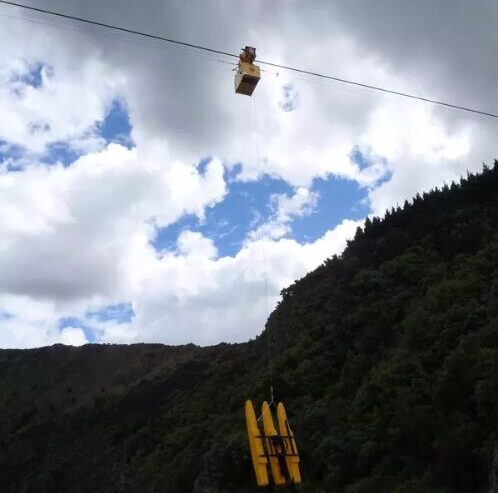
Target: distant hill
x,y
386,358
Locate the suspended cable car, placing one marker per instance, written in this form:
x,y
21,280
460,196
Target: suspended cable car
x,y
248,74
274,453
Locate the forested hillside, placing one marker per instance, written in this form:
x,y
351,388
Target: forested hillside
x,y
386,358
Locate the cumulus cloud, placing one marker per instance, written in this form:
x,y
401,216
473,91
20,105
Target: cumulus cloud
x,y
184,295
28,323
73,336
61,107
71,231
285,209
193,291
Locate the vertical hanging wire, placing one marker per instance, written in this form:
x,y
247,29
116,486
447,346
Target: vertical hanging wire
x,y
265,270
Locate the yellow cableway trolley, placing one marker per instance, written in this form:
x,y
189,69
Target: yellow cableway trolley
x,y
273,452
248,74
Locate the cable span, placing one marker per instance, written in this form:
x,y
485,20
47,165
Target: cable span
x,y
265,270
377,88
118,28
270,64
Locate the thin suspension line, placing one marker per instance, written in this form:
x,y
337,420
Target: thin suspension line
x,y
270,64
265,270
382,89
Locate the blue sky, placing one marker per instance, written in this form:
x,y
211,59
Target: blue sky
x,y
33,76
115,128
4,315
338,198
119,313
228,223
248,205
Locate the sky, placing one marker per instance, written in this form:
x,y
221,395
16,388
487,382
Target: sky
x,y
142,200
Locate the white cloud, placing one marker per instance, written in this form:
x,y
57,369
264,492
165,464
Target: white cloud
x,y
71,232
72,98
302,203
192,244
285,209
186,295
420,152
30,323
191,294
73,336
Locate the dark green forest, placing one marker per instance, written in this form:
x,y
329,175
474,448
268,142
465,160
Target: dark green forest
x,y
385,356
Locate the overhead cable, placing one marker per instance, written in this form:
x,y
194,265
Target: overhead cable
x,y
233,55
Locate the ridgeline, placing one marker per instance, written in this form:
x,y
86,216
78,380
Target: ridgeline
x,y
386,358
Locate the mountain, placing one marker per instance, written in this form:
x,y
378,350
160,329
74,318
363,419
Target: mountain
x,y
386,358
